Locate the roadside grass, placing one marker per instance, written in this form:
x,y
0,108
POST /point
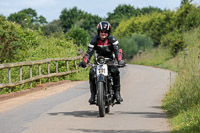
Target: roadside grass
x,y
82,75
153,57
182,102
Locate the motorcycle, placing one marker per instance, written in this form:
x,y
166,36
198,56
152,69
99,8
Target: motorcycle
x,y
104,84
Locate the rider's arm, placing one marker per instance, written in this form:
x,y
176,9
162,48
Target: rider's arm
x,y
117,51
91,46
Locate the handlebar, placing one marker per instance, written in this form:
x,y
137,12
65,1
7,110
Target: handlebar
x,y
117,65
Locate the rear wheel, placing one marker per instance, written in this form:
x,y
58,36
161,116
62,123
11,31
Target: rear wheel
x,y
101,99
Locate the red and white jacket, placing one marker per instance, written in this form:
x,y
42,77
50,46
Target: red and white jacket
x,y
104,48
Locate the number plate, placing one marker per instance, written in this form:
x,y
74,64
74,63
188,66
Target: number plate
x,y
102,69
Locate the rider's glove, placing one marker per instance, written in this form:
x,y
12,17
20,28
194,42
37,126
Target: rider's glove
x,y
121,63
83,64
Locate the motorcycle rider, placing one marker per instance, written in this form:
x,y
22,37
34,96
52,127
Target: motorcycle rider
x,y
105,45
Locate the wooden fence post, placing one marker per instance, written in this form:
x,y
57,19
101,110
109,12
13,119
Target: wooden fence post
x,y
39,71
9,75
30,75
20,73
75,64
48,67
56,66
67,65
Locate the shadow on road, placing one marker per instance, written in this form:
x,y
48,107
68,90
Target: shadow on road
x,y
156,107
91,114
84,114
116,131
146,114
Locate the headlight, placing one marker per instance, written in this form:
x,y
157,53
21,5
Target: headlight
x,y
101,60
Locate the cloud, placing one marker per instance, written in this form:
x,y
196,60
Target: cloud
x,y
38,3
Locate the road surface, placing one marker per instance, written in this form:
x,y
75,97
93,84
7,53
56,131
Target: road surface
x,y
69,111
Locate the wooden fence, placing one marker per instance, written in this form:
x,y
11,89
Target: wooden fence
x,y
40,75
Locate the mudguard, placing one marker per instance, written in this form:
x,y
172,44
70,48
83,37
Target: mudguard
x,y
100,78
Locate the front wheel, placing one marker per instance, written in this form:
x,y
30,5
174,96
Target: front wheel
x,y
101,99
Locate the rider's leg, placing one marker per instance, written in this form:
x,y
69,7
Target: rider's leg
x,y
92,86
116,83
117,93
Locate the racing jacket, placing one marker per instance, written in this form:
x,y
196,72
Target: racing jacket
x,y
104,48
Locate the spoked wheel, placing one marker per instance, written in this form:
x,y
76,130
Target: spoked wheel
x,y
101,99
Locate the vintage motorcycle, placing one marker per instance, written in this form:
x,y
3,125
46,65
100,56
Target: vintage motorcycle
x,y
104,84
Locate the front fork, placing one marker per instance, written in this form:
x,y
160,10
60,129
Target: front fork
x,y
108,89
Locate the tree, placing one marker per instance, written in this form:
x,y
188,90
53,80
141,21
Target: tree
x,y
185,1
89,23
121,12
150,9
20,18
31,13
76,17
42,20
124,12
27,18
69,17
53,27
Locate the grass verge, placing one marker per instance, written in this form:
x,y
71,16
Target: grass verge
x,y
182,102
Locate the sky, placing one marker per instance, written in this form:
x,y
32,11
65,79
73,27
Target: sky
x,y
51,9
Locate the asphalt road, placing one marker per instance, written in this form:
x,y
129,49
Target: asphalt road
x,y
69,111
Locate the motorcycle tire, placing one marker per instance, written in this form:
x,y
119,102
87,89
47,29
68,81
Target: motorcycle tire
x,y
101,99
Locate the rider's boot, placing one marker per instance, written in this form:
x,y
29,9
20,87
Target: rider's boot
x,y
93,93
117,94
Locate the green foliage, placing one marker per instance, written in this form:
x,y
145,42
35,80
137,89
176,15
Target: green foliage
x,y
69,17
20,44
78,35
124,12
150,9
154,25
192,20
76,17
42,20
173,40
52,28
14,39
183,2
31,13
181,14
131,45
27,18
182,102
89,23
153,57
82,75
121,12
186,18
158,25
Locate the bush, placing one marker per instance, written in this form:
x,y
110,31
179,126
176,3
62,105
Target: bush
x,y
78,35
193,19
131,45
15,39
154,25
173,40
157,25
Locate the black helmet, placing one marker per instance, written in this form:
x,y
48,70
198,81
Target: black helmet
x,y
104,25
